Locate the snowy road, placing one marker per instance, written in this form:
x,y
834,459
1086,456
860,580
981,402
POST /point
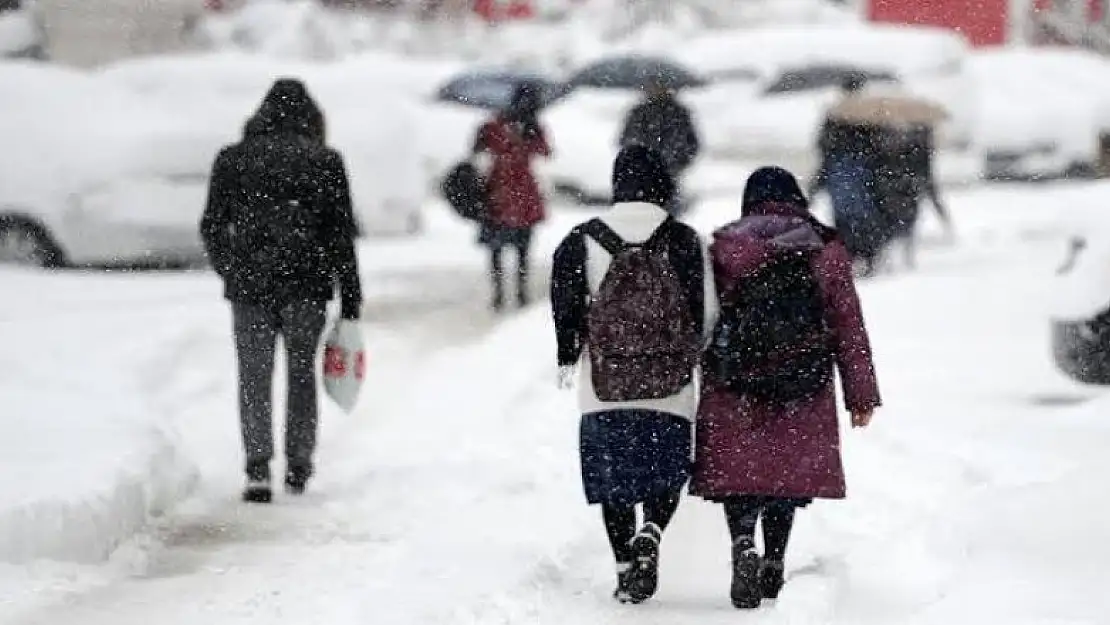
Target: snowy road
x,y
452,495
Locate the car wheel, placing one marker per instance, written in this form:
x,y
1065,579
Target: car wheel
x,y
27,244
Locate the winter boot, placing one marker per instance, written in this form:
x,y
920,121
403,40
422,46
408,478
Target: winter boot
x,y
643,578
621,593
258,483
296,479
771,579
745,591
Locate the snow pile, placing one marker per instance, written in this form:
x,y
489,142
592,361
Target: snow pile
x,y
17,33
88,461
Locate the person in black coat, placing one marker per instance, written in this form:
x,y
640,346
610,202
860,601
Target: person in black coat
x,y
663,124
279,230
906,178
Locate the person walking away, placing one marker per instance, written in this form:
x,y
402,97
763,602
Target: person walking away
x,y
279,230
767,432
848,170
516,205
664,124
632,295
906,179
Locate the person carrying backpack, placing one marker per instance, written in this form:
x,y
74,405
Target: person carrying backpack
x,y
632,295
767,432
279,230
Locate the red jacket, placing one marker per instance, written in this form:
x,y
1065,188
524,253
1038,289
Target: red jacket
x,y
515,198
793,450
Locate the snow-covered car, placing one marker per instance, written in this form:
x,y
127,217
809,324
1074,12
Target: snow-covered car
x,y
749,114
1040,111
130,184
369,102
19,35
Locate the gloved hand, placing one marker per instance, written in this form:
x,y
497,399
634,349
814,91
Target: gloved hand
x,y
566,377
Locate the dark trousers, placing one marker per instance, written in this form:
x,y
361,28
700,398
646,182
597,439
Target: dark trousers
x,y
521,241
257,328
621,523
776,515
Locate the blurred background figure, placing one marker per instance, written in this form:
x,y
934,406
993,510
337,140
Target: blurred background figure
x,y
665,125
906,179
876,152
513,138
848,157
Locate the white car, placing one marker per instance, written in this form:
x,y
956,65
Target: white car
x,y
93,172
1040,111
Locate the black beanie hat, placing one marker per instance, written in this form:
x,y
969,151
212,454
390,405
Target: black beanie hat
x,y
772,184
640,175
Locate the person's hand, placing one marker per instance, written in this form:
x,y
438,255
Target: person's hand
x,y
566,377
862,418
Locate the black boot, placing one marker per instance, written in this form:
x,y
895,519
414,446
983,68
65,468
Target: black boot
x,y
296,479
621,594
771,579
643,578
258,488
745,592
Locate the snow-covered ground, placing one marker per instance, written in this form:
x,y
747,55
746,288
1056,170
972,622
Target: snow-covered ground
x,y
451,495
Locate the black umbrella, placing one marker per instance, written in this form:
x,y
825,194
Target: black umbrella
x,y
492,90
636,73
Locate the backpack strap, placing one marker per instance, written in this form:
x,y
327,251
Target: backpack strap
x,y
600,231
661,238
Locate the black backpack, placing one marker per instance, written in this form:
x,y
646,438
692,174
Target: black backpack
x,y
772,341
464,188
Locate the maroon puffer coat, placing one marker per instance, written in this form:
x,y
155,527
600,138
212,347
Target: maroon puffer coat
x,y
745,447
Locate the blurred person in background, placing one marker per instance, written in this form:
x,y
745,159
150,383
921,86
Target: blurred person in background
x,y
513,138
662,123
849,159
906,178
279,230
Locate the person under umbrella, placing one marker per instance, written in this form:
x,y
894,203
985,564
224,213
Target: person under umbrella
x,y
514,137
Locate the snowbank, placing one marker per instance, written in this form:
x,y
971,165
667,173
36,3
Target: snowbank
x,y
17,33
88,461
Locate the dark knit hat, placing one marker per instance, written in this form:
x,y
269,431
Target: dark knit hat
x,y
640,175
772,185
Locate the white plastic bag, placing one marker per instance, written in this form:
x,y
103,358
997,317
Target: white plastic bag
x,y
344,363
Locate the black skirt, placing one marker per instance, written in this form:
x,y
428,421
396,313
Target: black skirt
x,y
631,456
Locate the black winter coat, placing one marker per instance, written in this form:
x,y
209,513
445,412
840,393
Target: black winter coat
x,y
269,168
666,126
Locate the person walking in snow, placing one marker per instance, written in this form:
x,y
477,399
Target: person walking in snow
x,y
906,178
632,295
767,432
279,230
516,205
662,123
849,162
